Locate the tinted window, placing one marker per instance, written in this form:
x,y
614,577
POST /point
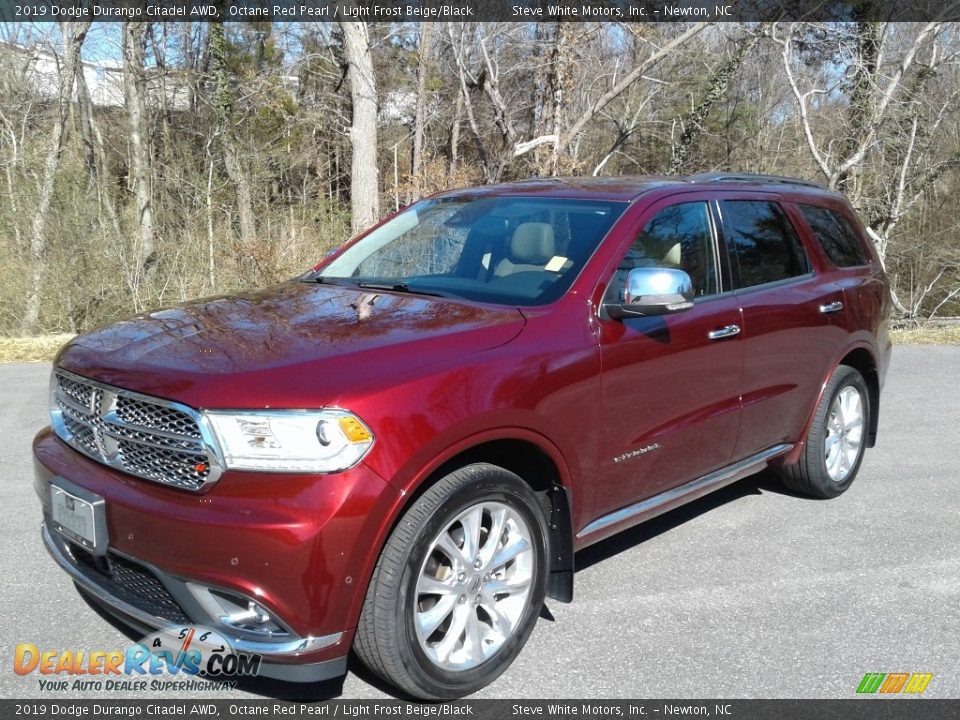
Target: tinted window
x,y
676,237
834,233
763,242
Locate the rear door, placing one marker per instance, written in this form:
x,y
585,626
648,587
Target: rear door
x,y
670,385
847,260
791,315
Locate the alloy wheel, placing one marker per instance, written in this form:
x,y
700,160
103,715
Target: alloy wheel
x,y
844,438
474,585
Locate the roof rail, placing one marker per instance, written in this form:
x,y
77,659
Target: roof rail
x,y
751,177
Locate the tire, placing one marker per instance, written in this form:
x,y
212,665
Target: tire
x,y
834,446
452,642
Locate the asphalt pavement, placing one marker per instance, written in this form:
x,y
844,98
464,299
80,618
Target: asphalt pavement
x,y
749,593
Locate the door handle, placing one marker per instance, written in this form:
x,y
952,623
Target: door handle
x,y
724,332
833,307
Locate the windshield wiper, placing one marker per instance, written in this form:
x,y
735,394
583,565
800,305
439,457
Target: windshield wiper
x,y
316,277
405,288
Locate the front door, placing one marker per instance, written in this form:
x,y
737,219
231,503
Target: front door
x,y
671,384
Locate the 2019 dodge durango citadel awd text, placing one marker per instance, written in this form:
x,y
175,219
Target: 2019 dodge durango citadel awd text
x,y
400,451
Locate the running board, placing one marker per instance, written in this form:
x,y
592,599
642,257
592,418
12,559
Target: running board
x,y
659,504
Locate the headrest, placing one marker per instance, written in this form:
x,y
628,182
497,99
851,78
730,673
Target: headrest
x,y
674,256
533,241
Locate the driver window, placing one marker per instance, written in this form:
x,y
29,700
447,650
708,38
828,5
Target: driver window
x,y
676,237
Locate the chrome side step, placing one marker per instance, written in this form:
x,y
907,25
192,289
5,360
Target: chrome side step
x,y
659,504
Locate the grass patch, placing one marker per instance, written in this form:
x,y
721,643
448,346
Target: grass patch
x,y
31,349
932,335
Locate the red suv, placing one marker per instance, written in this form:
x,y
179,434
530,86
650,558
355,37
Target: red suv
x,y
400,451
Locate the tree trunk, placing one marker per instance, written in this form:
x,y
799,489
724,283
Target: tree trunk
x,y
231,157
100,178
560,82
73,36
716,89
134,94
84,119
562,141
364,186
423,64
541,72
863,101
455,136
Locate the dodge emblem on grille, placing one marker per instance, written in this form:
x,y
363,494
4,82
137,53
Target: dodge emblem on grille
x,y
105,403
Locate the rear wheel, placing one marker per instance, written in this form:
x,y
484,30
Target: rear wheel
x,y
458,587
836,441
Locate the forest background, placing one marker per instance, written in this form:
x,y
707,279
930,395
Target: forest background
x,y
143,164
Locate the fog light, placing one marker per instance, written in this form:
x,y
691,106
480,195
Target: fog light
x,y
258,613
236,611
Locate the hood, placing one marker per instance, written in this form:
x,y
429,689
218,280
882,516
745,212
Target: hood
x,y
292,345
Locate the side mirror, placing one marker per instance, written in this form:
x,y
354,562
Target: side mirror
x,y
653,291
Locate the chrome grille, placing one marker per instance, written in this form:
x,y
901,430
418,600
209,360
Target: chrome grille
x,y
148,437
156,417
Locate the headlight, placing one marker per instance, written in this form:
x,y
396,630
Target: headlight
x,y
290,440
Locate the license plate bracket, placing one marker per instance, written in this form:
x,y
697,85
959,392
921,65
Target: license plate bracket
x,y
78,515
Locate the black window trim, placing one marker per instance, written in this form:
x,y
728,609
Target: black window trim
x,y
715,241
737,287
853,227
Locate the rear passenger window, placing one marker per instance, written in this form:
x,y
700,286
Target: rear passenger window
x,y
762,241
835,234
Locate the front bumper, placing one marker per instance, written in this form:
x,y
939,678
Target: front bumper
x,y
299,545
106,597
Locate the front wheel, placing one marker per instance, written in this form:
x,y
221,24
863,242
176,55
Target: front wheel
x,y
836,441
458,587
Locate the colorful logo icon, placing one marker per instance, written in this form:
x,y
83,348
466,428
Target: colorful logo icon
x,y
894,683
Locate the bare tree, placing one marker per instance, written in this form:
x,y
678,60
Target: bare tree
x,y
100,179
562,141
141,176
560,81
364,183
423,71
223,103
880,97
692,124
73,36
242,135
871,99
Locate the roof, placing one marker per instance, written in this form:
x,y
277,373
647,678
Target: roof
x,y
594,188
628,188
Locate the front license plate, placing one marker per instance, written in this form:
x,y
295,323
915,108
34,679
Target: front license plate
x,y
73,517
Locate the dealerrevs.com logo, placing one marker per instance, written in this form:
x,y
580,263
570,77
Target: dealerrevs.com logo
x,y
194,652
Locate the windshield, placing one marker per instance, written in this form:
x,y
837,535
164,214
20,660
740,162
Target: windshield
x,y
508,250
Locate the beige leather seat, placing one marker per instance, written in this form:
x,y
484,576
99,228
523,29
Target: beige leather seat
x,y
672,258
531,248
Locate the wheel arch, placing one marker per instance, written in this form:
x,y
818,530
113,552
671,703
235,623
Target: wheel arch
x,y
862,359
535,460
542,472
